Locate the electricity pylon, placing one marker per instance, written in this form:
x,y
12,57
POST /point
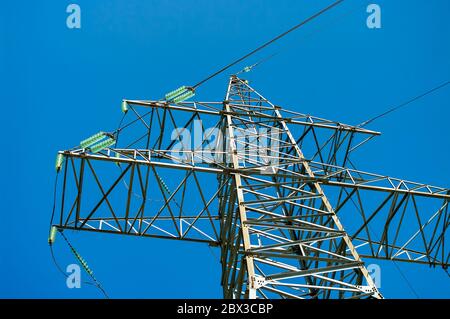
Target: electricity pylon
x,y
274,189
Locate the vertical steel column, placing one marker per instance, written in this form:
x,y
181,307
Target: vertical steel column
x,y
251,291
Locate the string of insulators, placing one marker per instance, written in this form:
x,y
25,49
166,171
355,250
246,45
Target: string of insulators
x,y
92,140
166,188
79,258
52,236
102,145
184,97
172,94
59,162
124,106
51,240
247,69
82,261
97,142
179,95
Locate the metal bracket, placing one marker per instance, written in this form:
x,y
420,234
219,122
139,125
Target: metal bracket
x,y
257,282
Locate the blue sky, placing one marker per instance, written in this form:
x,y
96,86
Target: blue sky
x,y
59,85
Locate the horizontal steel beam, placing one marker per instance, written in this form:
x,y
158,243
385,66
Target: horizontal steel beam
x,y
218,112
210,242
327,179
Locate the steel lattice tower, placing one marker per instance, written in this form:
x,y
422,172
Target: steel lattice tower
x,y
274,189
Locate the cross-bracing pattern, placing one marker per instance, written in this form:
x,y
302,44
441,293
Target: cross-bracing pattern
x,y
275,189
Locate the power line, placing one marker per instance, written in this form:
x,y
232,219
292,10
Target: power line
x,y
406,280
269,42
393,109
192,88
60,268
321,28
446,271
